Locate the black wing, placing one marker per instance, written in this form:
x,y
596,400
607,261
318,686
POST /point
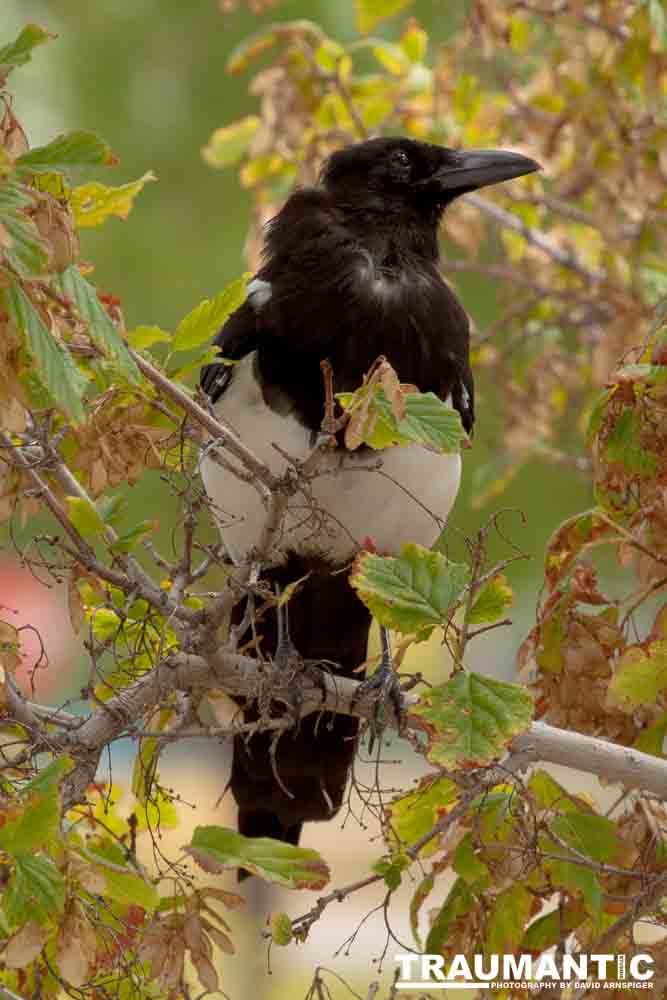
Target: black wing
x,y
238,337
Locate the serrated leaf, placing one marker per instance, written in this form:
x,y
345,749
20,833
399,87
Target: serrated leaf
x,y
492,601
507,920
640,676
72,149
27,252
216,848
36,890
229,144
19,52
371,12
471,718
93,203
146,336
428,421
412,592
413,815
101,328
205,320
85,518
460,901
63,380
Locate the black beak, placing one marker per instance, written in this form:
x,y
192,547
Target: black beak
x,y
468,171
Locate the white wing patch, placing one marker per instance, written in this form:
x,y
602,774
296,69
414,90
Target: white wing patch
x,y
259,293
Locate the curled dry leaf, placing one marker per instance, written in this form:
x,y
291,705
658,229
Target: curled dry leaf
x,y
25,945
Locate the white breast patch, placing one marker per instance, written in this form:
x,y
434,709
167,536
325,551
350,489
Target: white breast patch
x,y
399,502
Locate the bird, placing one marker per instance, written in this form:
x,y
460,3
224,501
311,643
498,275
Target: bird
x,y
350,273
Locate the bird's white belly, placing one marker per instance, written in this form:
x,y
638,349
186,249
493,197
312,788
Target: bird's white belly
x,y
406,499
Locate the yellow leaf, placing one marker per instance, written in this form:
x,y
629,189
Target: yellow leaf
x,y
93,203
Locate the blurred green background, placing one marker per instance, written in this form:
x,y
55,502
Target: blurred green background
x,y
149,76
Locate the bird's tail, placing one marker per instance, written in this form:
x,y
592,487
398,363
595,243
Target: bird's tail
x,y
303,777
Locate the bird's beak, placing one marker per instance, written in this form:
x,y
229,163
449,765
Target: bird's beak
x,y
471,170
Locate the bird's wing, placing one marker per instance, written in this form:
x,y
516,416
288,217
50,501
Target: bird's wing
x,y
238,337
311,260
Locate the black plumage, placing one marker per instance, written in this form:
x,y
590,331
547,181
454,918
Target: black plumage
x,y
350,273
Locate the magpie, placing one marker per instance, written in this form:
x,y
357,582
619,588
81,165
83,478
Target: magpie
x,y
350,273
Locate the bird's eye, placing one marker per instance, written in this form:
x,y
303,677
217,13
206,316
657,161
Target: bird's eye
x,y
400,158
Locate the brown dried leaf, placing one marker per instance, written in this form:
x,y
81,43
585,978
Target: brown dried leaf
x,y
25,946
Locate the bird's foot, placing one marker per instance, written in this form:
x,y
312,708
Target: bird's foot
x,y
385,689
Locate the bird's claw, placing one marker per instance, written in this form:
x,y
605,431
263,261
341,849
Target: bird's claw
x,y
385,689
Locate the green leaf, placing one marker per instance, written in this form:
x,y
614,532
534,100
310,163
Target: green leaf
x,y
216,848
640,676
428,421
623,445
146,336
547,931
415,814
579,879
130,539
50,776
36,890
101,327
468,865
37,821
587,833
19,52
410,593
507,920
93,203
548,793
492,601
371,12
27,251
281,929
472,718
73,149
391,869
459,902
652,739
63,380
123,886
85,518
228,145
205,320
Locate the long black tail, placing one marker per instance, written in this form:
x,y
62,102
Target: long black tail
x,y
327,622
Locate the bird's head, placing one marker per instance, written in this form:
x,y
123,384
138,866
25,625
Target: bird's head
x,y
418,174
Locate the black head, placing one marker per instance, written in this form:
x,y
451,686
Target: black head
x,y
398,170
